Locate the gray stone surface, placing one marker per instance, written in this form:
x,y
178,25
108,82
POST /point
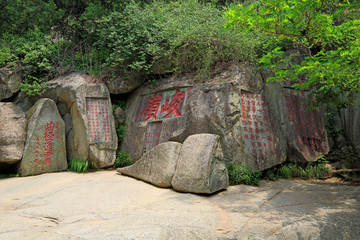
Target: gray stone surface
x,y
157,166
12,133
217,107
104,205
10,79
74,94
303,131
45,147
199,168
350,123
122,84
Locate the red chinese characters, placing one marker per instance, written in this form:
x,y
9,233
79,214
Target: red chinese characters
x,y
48,141
152,107
306,124
173,106
152,136
37,148
98,120
256,126
162,105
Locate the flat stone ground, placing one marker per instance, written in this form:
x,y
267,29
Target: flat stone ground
x,y
106,205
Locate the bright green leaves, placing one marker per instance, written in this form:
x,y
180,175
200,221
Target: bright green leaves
x,y
314,44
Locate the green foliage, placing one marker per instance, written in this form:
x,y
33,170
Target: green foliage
x,y
292,170
10,175
239,174
120,125
173,36
79,166
325,35
122,160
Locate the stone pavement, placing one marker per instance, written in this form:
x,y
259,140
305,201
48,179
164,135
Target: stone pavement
x,y
106,205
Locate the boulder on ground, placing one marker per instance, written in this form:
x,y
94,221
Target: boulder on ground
x,y
157,166
12,133
45,149
89,122
10,79
199,169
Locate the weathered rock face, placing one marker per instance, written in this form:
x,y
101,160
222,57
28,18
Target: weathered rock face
x,y
10,80
121,84
89,122
350,121
12,133
235,110
304,131
45,149
199,170
157,166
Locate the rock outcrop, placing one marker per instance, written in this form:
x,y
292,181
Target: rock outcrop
x,y
89,122
10,79
157,166
12,133
259,124
45,149
199,169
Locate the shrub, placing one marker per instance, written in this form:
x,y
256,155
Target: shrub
x,y
242,174
122,160
79,166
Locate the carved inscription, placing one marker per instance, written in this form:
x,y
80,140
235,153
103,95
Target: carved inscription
x,y
162,105
152,136
307,124
51,132
256,125
97,111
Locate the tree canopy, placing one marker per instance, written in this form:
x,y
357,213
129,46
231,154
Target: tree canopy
x,y
315,44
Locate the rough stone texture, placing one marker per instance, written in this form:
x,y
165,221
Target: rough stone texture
x,y
120,114
122,85
12,133
44,207
215,107
157,166
304,132
73,94
10,79
199,169
45,148
350,121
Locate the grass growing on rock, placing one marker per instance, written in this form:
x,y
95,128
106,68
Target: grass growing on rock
x,y
123,160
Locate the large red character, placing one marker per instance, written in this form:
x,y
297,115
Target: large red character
x,y
48,138
172,107
152,107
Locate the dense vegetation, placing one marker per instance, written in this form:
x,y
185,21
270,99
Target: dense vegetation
x,y
313,44
107,38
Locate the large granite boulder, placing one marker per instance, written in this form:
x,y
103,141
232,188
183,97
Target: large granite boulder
x,y
12,133
45,149
89,123
199,168
10,79
303,130
231,105
157,166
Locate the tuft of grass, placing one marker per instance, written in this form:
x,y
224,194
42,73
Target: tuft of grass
x,y
123,160
242,174
294,170
79,166
10,175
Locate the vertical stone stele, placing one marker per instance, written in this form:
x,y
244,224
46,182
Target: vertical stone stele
x,y
45,148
